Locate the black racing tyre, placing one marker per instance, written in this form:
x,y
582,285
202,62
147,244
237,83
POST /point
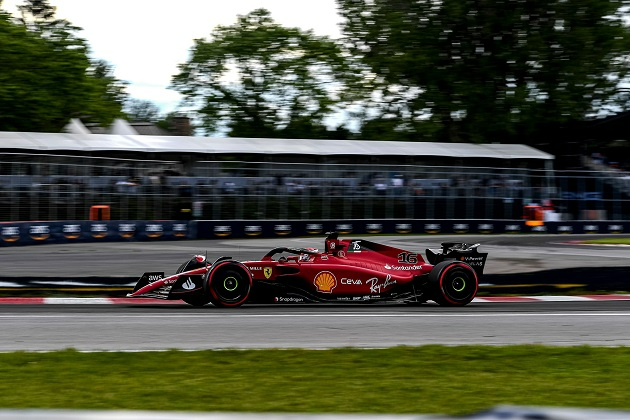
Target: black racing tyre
x,y
454,283
191,264
228,284
197,300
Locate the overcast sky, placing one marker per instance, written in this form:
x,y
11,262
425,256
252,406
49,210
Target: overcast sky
x,y
145,40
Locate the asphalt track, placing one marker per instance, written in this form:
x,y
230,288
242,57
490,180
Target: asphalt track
x,y
509,254
138,327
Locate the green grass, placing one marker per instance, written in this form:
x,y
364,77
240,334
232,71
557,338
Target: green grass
x,y
609,241
428,379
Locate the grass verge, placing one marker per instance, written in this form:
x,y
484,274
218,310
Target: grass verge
x,y
609,241
428,379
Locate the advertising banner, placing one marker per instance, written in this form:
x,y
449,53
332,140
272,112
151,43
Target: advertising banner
x,y
33,233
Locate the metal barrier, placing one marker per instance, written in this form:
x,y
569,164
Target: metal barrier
x,y
51,187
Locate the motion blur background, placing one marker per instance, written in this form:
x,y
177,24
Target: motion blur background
x,y
278,122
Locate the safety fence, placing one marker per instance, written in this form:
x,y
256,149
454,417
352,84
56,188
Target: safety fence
x,y
54,187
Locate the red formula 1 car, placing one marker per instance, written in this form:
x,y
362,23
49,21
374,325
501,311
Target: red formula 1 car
x,y
351,270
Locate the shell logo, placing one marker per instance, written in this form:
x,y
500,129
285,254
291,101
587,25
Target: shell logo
x,y
325,282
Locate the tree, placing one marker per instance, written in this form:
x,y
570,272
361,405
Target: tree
x,y
47,77
481,70
259,79
139,110
105,95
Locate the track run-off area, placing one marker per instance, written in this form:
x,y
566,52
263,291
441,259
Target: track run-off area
x,y
106,324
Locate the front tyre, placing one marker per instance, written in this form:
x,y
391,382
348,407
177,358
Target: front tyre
x,y
454,283
228,284
196,300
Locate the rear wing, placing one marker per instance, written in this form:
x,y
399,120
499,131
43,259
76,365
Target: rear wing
x,y
459,251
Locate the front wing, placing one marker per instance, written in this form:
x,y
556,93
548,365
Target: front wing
x,y
155,285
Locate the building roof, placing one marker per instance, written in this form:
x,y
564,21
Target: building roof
x,y
66,142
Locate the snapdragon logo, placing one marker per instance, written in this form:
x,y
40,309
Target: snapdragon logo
x,y
282,299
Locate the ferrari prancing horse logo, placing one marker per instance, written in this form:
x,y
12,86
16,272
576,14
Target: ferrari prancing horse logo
x,y
267,272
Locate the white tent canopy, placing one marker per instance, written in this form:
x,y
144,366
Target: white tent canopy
x,y
81,142
75,126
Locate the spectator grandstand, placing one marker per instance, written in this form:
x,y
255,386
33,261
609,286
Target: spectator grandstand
x,y
55,176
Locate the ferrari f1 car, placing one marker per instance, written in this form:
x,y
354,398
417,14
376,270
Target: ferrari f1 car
x,y
348,270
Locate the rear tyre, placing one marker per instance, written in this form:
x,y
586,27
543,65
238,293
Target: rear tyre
x,y
454,283
228,284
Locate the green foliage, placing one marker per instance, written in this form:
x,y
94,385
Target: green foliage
x,y
259,79
609,241
481,71
138,110
429,379
47,77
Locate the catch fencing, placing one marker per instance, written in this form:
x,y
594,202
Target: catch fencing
x,y
56,187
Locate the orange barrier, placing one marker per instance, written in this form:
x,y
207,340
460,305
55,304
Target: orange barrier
x,y
99,212
533,215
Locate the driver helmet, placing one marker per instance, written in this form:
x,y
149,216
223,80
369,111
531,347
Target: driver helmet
x,y
308,257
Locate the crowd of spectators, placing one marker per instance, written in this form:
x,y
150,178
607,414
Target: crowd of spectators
x,y
396,185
